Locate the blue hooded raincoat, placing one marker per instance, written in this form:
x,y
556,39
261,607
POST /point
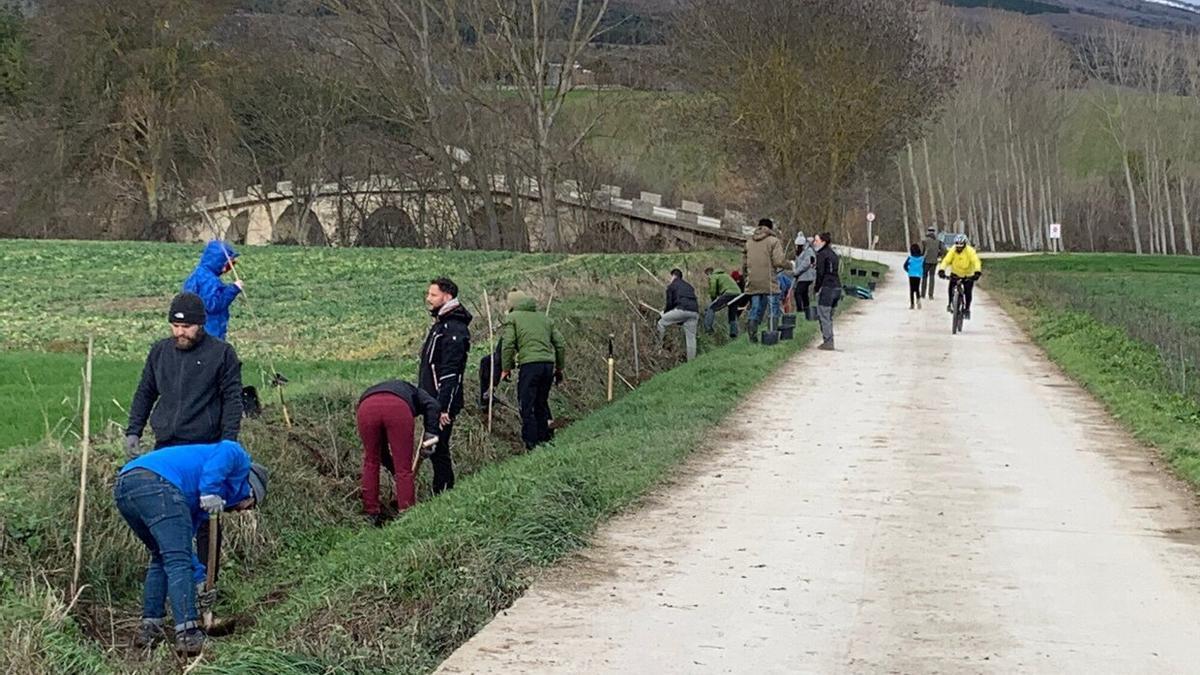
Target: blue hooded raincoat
x,y
206,283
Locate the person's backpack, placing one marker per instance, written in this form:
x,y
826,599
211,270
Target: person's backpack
x,y
251,407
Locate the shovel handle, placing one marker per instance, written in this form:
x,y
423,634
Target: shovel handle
x,y
210,570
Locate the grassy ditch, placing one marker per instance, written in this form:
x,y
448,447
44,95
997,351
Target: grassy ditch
x,y
1127,328
317,591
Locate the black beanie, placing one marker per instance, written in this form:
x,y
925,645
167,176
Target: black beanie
x,y
187,308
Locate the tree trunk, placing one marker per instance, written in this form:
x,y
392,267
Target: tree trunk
x,y
903,201
1133,212
1166,194
1185,222
945,211
912,169
957,192
929,183
548,202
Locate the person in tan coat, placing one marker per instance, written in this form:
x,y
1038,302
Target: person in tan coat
x,y
761,262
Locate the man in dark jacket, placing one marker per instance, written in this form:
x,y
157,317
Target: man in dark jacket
x,y
443,361
532,343
190,391
828,286
934,249
385,418
191,386
682,309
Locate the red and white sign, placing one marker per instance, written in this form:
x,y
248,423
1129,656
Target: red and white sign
x,y
1056,230
871,217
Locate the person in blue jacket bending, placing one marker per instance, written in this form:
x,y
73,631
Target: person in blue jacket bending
x,y
164,496
217,259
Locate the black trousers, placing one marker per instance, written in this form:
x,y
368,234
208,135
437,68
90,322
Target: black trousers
x,y
533,390
914,289
443,465
490,362
968,290
803,296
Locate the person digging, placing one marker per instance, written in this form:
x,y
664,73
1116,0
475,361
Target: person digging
x,y
163,497
385,416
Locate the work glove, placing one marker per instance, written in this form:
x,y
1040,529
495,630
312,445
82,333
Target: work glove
x,y
205,600
132,446
559,378
375,520
212,503
428,444
941,274
976,276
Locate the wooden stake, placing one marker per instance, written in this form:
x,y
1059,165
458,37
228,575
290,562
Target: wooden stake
x,y
612,367
652,309
210,572
487,304
652,275
83,467
637,362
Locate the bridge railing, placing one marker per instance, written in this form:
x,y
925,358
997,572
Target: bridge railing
x,y
646,206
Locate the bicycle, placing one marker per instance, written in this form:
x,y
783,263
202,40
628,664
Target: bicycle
x,y
958,305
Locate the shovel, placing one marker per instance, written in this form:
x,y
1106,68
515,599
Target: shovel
x,y
213,626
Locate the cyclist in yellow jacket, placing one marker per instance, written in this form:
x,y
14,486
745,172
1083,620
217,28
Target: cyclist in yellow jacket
x,y
963,263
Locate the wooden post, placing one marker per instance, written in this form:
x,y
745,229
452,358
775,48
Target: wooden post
x,y
637,362
487,304
612,367
210,572
83,468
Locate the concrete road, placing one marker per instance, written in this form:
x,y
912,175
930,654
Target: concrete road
x,y
914,503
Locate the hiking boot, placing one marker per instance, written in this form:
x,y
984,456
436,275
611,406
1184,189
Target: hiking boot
x,y
190,642
149,634
967,315
949,308
752,330
826,346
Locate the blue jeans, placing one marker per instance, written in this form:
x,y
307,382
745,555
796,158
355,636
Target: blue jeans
x,y
160,517
758,306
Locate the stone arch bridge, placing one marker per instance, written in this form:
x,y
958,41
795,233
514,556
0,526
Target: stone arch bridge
x,y
386,211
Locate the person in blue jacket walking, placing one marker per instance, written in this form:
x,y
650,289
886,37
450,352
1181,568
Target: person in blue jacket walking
x,y
163,497
915,267
217,259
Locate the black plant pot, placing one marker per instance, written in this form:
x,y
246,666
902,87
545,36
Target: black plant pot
x,y
787,333
789,320
770,337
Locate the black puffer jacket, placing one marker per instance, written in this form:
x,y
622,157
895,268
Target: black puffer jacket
x,y
681,295
828,275
444,358
422,404
195,395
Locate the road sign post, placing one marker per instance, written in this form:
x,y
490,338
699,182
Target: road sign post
x,y
870,227
1056,237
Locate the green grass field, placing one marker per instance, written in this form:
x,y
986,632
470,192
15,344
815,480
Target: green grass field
x,y
317,315
1127,328
314,588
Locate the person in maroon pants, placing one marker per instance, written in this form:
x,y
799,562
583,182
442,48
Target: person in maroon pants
x,y
386,414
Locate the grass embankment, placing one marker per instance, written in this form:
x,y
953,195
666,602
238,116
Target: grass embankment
x,y
308,580
1125,327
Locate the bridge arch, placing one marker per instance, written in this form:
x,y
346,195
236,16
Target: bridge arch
x,y
608,236
389,227
239,228
514,236
290,228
